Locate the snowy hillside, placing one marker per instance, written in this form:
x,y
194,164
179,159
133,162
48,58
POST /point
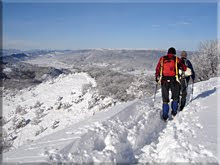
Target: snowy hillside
x,y
34,112
131,132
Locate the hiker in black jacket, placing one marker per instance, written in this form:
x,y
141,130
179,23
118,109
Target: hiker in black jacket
x,y
184,80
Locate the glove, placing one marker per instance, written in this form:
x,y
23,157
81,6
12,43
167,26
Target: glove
x,y
157,79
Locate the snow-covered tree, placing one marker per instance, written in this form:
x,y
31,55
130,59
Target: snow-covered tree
x,y
18,122
206,61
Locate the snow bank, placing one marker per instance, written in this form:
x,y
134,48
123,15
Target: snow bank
x,y
134,133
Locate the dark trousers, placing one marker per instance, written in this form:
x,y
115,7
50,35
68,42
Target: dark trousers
x,y
166,86
183,92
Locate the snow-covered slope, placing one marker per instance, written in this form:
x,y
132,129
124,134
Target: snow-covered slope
x,y
134,133
32,113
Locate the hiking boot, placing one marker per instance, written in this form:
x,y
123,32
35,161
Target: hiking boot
x,y
173,113
164,118
181,108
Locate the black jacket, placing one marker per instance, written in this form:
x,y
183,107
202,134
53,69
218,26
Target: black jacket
x,y
189,65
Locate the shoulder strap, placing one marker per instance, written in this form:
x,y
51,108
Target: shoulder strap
x,y
161,67
177,70
176,62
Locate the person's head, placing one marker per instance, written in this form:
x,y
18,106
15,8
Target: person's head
x,y
184,54
171,51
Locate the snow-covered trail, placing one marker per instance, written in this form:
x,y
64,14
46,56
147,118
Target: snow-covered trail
x,y
134,133
192,137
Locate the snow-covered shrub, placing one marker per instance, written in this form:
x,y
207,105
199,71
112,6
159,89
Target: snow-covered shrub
x,y
94,101
18,122
40,130
78,99
55,124
58,105
105,105
39,113
91,104
206,61
20,110
66,105
59,98
142,86
38,104
49,108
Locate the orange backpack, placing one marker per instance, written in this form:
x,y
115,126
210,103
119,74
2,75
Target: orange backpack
x,y
169,67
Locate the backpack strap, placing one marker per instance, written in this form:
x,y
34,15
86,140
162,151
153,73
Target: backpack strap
x,y
177,71
161,67
161,70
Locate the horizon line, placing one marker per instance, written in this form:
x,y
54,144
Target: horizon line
x,y
47,49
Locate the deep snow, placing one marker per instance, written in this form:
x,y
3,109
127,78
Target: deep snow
x,y
133,132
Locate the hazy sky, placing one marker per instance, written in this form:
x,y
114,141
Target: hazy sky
x,y
108,25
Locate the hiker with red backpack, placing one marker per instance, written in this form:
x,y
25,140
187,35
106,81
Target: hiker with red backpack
x,y
167,75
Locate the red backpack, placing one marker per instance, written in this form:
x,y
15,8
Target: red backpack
x,y
168,66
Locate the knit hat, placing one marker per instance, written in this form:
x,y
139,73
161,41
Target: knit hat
x,y
171,50
184,54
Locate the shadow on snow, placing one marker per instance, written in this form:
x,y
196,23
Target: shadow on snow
x,y
206,93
